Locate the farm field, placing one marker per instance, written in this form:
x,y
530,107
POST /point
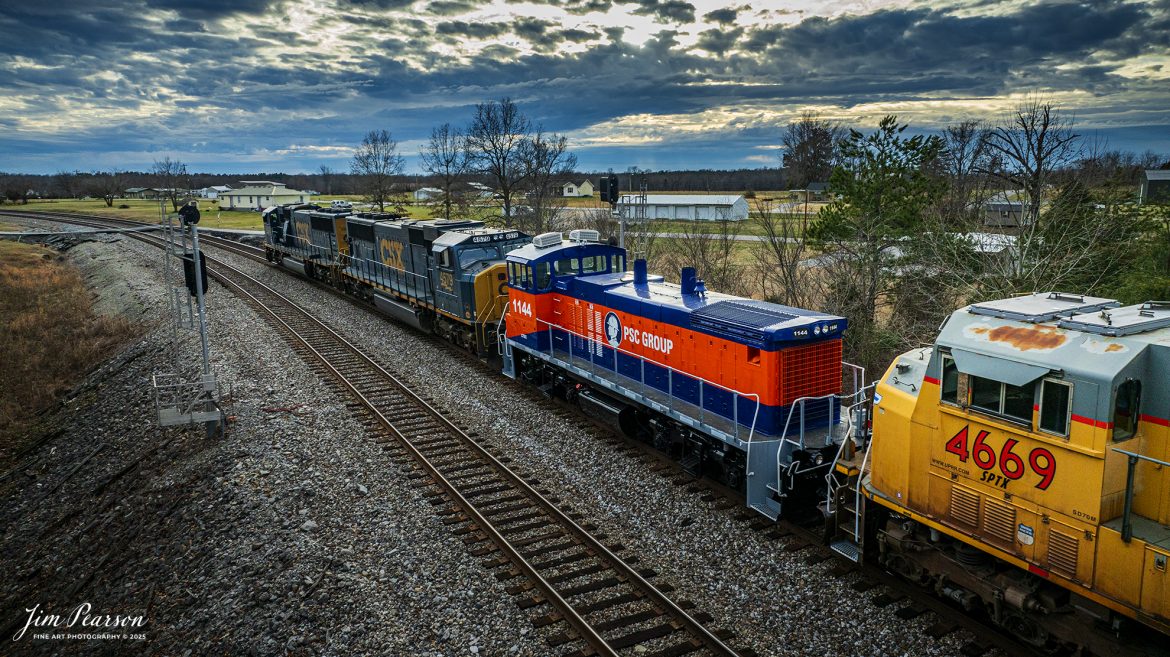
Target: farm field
x,y
213,217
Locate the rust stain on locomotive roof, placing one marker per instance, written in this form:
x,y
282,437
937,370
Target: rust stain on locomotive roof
x,y
1024,338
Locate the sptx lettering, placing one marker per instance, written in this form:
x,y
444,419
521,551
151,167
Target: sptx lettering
x,y
648,340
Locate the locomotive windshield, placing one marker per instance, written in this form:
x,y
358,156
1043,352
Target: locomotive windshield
x,y
469,257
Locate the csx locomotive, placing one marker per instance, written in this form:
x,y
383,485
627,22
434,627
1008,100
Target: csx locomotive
x,y
445,277
1017,466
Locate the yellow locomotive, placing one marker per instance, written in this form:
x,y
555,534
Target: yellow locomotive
x,y
1019,466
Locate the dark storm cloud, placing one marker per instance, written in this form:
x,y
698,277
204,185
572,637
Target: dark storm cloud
x,y
577,7
722,15
719,41
203,9
665,11
533,29
579,36
403,82
452,7
472,30
379,4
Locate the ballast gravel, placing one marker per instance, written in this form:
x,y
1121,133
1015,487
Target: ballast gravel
x,y
293,534
772,600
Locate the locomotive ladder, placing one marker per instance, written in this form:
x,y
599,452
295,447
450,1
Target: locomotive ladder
x,y
843,500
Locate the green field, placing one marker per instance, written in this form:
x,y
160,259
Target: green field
x,y
213,217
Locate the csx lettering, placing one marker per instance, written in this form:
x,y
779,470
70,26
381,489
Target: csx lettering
x,y
648,340
391,253
1010,465
524,308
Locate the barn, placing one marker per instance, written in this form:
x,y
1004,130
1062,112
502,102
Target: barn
x,y
692,207
1155,187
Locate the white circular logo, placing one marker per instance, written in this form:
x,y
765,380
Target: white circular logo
x,y
613,330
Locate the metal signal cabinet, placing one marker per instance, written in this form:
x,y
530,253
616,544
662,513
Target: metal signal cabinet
x,y
1035,430
745,374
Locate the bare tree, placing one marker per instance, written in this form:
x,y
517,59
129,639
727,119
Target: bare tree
x,y
810,149
547,160
964,159
171,177
786,262
326,173
68,183
712,254
15,187
445,158
375,163
1033,142
496,143
107,185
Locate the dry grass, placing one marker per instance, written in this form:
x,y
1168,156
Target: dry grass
x,y
48,334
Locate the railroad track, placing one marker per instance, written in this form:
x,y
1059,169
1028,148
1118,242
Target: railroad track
x,y
553,563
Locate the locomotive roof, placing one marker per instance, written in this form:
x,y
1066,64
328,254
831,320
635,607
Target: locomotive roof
x,y
477,236
752,322
531,254
1026,337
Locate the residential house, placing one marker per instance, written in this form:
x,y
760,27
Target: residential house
x,y
1155,187
1001,212
213,191
427,194
260,194
575,190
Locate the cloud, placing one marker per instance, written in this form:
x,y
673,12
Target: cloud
x,y
452,7
246,77
726,16
666,11
473,30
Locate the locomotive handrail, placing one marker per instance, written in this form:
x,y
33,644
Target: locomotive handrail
x,y
670,370
1131,474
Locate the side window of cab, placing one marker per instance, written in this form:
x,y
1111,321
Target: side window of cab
x,y
541,276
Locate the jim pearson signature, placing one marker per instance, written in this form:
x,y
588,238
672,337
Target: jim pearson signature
x,y
80,616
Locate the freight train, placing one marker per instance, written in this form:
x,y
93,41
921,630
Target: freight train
x,y
1017,466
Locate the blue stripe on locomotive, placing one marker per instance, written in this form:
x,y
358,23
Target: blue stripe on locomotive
x,y
770,420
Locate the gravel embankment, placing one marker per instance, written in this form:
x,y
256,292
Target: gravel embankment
x,y
293,534
771,599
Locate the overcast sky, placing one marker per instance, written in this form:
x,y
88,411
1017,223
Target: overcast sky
x,y
276,85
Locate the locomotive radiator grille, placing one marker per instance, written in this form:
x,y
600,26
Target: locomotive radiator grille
x,y
965,506
810,371
999,521
1062,553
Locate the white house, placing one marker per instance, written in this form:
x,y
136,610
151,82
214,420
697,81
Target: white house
x,y
213,192
693,207
424,194
481,190
260,194
573,190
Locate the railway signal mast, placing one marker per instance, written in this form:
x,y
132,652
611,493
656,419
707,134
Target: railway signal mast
x,y
188,395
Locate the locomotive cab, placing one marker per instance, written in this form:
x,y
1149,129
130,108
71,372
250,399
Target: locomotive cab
x,y
1021,462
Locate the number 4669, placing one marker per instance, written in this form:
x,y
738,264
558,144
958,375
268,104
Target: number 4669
x,y
1011,465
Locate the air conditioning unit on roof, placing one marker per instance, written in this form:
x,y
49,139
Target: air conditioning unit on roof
x,y
584,235
545,240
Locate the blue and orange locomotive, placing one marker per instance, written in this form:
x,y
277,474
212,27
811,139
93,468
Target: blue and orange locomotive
x,y
728,385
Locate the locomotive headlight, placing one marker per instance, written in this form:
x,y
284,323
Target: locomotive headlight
x,y
817,330
820,458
